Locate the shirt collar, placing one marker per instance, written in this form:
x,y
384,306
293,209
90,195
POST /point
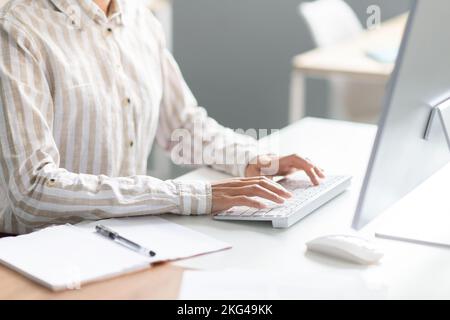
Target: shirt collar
x,y
74,9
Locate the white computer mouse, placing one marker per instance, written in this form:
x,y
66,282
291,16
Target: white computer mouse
x,y
349,248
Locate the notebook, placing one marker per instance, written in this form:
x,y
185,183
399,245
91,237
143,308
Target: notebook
x,y
67,257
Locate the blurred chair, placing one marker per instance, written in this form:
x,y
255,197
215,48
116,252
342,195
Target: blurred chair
x,y
331,22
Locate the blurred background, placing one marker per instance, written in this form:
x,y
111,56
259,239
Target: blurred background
x,y
237,57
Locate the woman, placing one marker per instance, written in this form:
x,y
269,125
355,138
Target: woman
x,y
85,88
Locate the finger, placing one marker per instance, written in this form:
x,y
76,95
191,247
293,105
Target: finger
x,y
259,191
247,202
312,176
270,185
251,178
258,188
236,182
319,172
225,182
263,181
276,188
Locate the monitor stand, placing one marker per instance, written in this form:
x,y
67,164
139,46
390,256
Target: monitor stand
x,y
439,113
423,216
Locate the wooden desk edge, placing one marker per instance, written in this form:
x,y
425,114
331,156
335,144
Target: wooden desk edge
x,y
156,283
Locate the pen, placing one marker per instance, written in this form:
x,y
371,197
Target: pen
x,y
114,236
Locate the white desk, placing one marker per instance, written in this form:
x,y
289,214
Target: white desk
x,y
408,271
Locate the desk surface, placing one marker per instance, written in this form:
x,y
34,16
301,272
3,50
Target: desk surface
x,y
349,57
409,271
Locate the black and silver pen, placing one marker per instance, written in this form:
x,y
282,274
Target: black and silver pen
x,y
114,236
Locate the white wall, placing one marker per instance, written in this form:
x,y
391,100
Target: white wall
x,y
236,56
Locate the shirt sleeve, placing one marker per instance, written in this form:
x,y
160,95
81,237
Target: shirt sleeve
x,y
39,191
193,138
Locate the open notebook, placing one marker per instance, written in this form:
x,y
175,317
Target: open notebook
x,y
65,257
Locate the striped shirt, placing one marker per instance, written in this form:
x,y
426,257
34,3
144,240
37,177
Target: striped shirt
x,y
83,95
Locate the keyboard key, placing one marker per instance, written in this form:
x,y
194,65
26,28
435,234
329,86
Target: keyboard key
x,y
249,212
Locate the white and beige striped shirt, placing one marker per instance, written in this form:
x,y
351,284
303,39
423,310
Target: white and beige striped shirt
x,y
82,98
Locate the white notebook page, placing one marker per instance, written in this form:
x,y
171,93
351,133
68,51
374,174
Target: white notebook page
x,y
64,257
169,240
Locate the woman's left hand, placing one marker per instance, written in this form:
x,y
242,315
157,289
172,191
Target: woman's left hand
x,y
271,165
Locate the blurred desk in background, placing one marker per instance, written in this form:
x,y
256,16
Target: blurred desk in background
x,y
348,60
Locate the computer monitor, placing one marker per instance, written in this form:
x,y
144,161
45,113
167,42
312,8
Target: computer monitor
x,y
412,140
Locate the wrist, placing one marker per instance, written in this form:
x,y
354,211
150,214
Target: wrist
x,y
195,197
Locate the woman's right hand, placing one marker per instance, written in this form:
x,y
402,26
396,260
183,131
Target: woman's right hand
x,y
245,192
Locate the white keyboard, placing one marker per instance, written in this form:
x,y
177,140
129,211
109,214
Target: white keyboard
x,y
307,198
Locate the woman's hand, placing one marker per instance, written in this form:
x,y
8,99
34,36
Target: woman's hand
x,y
270,165
243,192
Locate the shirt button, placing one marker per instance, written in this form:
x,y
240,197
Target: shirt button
x,y
110,30
127,102
131,144
51,182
